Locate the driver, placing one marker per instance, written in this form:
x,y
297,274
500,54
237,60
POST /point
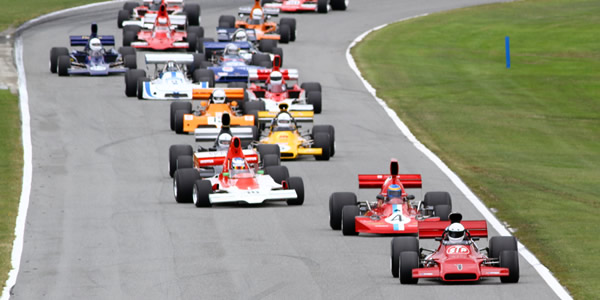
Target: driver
x,y
257,16
218,96
238,165
223,141
231,49
240,36
96,49
455,233
171,66
276,84
284,120
155,5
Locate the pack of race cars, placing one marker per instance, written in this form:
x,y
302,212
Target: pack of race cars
x,y
233,91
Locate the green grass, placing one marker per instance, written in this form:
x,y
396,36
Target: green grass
x,y
11,172
525,139
15,13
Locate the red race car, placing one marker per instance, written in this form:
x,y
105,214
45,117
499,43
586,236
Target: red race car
x,y
321,6
458,258
393,212
162,32
133,11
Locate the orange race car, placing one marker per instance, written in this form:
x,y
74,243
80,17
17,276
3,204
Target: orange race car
x,y
210,105
257,18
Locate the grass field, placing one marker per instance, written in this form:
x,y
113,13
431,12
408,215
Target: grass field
x,y
18,12
525,139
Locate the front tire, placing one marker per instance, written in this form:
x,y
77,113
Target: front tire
x,y
183,184
323,141
64,63
175,106
409,260
401,244
349,214
296,183
55,53
510,259
201,193
131,81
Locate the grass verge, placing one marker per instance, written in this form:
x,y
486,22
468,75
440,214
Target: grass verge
x,y
18,12
525,139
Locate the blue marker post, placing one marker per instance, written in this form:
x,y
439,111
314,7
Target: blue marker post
x,y
507,42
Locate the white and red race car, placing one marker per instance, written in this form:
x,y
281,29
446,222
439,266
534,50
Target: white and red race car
x,y
321,6
239,180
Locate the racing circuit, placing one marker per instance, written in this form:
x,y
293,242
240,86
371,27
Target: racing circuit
x,y
102,222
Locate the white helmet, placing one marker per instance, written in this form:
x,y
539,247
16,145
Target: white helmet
x,y
224,140
276,84
284,120
219,96
231,49
95,44
240,36
456,232
257,14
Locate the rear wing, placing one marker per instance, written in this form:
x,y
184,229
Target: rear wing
x,y
433,229
220,46
299,116
163,58
226,34
217,158
82,40
203,134
376,181
168,2
230,93
263,74
267,11
179,20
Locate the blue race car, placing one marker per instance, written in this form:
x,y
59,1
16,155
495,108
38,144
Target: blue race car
x,y
93,59
234,61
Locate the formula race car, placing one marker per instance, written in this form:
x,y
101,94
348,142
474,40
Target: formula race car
x,y
170,80
257,18
457,258
393,212
133,11
161,31
240,181
240,35
321,6
209,107
285,133
93,59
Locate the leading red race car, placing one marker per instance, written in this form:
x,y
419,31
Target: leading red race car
x,y
457,258
394,212
321,6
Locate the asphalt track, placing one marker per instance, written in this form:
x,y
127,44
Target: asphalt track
x,y
103,224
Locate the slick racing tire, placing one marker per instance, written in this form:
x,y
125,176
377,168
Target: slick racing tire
x,y
204,75
437,198
185,162
501,243
55,53
226,21
510,259
442,211
123,15
201,193
339,4
323,140
175,106
271,160
267,149
409,260
183,184
296,183
129,37
127,51
401,244
311,86
329,129
263,2
129,61
279,51
314,98
257,58
176,151
349,214
285,34
237,84
64,63
200,49
266,64
337,201
322,6
267,45
278,173
192,11
179,121
131,81
129,6
140,86
254,106
291,23
192,40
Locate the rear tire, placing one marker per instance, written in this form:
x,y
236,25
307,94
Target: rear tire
x,y
322,6
401,244
201,193
257,58
271,160
501,243
64,63
443,211
227,20
339,4
437,198
183,184
184,162
278,173
129,6
291,23
176,151
349,214
129,37
267,149
175,106
296,183
337,201
204,75
314,98
267,45
55,53
123,15
311,87
285,34
409,260
192,11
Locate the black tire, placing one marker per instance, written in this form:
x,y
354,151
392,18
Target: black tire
x,y
311,87
201,42
337,201
329,129
442,211
192,11
131,81
296,183
123,15
338,4
197,31
64,63
271,160
129,6
56,52
263,2
437,198
314,98
129,37
196,64
130,61
179,121
322,6
501,243
140,87
200,193
279,51
192,42
323,140
349,214
285,34
401,244
278,173
267,149
257,58
183,184
251,106
175,106
237,84
204,75
176,151
290,22
127,51
267,45
510,259
266,64
409,260
226,20
184,162
132,28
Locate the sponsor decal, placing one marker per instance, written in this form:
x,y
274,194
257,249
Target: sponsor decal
x,y
188,117
457,250
207,161
459,267
249,118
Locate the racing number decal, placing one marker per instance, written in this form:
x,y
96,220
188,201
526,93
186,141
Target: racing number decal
x,y
457,250
397,219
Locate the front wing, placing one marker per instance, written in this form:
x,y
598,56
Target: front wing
x,y
252,196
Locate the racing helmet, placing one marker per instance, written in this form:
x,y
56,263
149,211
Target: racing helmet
x,y
456,232
284,120
224,140
240,36
95,44
171,67
238,163
276,84
257,15
218,96
232,49
394,191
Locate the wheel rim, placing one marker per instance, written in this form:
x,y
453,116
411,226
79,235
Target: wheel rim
x,y
195,195
175,188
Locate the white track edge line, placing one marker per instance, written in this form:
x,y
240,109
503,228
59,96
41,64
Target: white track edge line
x,y
544,272
17,249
